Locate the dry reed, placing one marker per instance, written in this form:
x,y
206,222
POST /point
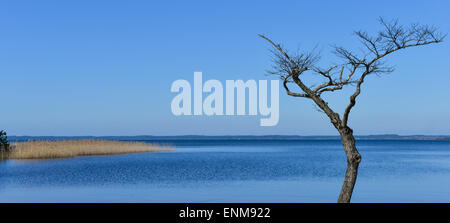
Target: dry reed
x,y
73,148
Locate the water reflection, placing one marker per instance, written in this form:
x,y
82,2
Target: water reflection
x,y
250,171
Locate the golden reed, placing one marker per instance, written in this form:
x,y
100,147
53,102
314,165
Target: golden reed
x,y
72,148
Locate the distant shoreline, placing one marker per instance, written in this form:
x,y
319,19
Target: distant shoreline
x,y
232,137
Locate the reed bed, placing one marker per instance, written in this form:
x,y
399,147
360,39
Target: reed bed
x,y
72,148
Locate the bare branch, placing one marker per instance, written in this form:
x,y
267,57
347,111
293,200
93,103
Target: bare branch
x,y
394,37
347,55
296,64
285,81
290,67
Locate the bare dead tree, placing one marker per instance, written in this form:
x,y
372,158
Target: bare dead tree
x,y
352,72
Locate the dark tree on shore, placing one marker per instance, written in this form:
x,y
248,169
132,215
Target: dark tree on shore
x,y
4,145
351,72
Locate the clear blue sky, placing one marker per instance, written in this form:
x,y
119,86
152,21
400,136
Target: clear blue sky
x,y
105,67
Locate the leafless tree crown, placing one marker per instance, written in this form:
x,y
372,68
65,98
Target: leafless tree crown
x,y
355,67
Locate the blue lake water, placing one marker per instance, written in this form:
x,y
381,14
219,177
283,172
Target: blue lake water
x,y
237,171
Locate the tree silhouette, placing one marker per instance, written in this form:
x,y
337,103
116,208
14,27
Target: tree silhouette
x,y
351,72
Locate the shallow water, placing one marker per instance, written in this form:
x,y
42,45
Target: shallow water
x,y
237,171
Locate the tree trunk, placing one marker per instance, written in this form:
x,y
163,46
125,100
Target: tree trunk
x,y
353,160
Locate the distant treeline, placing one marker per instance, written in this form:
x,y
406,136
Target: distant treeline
x,y
231,137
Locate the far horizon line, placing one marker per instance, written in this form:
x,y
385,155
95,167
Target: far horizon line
x,y
229,135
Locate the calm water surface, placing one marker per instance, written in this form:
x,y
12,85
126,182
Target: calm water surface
x,y
237,171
